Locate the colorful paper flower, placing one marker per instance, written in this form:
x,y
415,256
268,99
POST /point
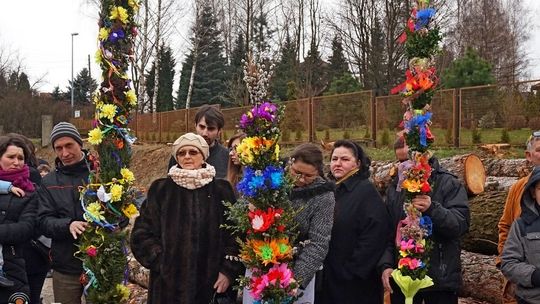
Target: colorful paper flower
x,y
131,97
130,210
127,175
95,210
108,111
103,33
119,13
91,251
116,192
95,136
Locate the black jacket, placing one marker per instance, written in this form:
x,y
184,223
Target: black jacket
x,y
360,223
59,206
449,212
218,158
17,218
178,237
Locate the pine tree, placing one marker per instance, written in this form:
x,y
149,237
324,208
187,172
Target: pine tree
x,y
237,88
166,78
13,80
285,70
315,73
183,85
84,86
56,94
263,33
212,69
470,70
337,64
23,85
376,75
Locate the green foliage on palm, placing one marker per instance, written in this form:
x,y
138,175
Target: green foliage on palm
x,y
469,70
422,45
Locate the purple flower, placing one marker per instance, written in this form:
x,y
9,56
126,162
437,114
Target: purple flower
x,y
115,35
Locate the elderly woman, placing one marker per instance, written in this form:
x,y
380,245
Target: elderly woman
x,y
359,231
17,215
178,236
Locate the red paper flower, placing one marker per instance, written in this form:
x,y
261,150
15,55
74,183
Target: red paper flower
x,y
91,251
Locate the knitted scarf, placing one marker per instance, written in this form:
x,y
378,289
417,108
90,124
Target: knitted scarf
x,y
19,178
192,179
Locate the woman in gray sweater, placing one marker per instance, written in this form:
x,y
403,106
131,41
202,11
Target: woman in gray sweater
x,y
313,197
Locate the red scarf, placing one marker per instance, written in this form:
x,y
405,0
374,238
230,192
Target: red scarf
x,y
19,178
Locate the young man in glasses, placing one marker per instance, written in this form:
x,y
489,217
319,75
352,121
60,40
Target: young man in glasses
x,y
209,122
512,208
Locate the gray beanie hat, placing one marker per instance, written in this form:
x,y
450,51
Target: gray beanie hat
x,y
65,129
191,139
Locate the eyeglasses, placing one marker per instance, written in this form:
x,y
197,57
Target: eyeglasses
x,y
298,175
183,153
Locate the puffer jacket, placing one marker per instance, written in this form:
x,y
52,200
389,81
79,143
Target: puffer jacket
x,y
520,258
449,212
59,205
17,218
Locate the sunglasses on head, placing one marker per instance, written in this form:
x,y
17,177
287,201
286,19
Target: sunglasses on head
x,y
535,134
183,153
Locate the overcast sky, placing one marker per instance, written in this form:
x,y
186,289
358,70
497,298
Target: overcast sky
x,y
40,32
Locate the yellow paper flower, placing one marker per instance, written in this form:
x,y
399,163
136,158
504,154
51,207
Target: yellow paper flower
x,y
134,4
119,13
116,192
108,111
95,136
130,210
104,33
276,152
412,185
98,56
123,291
127,175
94,209
131,97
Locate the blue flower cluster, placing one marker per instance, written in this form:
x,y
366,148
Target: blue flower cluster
x,y
253,181
426,224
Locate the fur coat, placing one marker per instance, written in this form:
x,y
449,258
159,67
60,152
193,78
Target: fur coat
x,y
178,237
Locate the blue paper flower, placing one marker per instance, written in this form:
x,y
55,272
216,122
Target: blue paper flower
x,y
423,17
115,35
426,224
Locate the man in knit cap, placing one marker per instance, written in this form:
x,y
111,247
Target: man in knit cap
x,y
60,215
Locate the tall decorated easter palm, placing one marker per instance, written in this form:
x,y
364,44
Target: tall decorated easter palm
x,y
421,40
263,215
107,199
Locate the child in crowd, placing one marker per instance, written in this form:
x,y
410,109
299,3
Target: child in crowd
x,y
5,188
44,169
520,258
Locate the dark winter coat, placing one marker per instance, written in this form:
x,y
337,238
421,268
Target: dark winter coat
x,y
218,158
449,212
315,203
17,218
178,237
59,205
360,223
520,258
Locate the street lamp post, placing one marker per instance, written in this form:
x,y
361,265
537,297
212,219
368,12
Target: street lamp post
x,y
72,84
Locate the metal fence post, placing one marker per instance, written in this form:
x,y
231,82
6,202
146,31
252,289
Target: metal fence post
x,y
457,116
373,119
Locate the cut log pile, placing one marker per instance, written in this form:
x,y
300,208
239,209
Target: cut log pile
x,y
482,281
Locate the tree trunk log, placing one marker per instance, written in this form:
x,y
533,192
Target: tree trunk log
x,y
486,210
481,279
